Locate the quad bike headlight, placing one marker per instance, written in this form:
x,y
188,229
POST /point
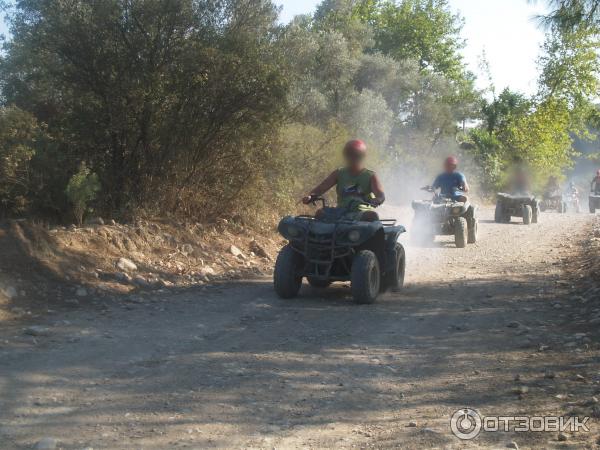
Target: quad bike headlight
x,y
354,236
456,210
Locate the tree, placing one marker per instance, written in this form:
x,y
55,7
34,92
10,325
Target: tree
x,y
570,67
162,98
19,133
568,15
82,189
423,30
500,112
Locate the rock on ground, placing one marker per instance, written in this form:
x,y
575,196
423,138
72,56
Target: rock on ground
x,y
126,265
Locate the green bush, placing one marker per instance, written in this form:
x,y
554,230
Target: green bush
x,y
82,189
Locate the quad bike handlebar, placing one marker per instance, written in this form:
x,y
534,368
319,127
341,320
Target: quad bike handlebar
x,y
317,198
314,199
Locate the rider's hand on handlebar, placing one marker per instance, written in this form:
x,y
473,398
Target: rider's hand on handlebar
x,y
307,199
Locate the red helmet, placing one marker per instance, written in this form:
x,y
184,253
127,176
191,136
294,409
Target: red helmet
x,y
451,161
355,147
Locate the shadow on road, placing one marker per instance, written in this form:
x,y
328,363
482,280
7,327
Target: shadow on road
x,y
237,357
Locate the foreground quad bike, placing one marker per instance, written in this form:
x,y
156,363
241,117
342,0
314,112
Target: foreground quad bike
x,y
594,202
444,216
334,248
518,205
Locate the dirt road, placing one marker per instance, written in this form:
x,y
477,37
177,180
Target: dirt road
x,y
491,327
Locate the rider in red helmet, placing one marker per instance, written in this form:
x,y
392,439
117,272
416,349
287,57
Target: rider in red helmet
x,y
356,186
451,183
595,188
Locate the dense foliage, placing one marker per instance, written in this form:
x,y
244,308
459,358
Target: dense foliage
x,y
212,107
539,132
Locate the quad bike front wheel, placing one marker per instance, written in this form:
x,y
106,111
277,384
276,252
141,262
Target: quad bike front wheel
x,y
286,280
527,214
394,280
473,231
461,231
365,277
592,206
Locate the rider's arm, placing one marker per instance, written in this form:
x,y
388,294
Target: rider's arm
x,y
325,185
465,186
377,189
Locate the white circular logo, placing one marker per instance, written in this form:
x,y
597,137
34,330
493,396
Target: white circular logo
x,y
466,424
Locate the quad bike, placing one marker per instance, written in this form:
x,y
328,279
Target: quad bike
x,y
517,205
572,202
594,202
333,247
553,201
443,216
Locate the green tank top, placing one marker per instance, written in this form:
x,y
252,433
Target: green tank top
x,y
351,188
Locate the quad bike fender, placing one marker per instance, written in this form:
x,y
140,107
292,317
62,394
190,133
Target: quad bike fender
x,y
392,234
292,229
470,213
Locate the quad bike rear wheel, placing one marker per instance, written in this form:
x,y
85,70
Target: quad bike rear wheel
x,y
461,230
285,277
365,277
499,213
592,206
527,214
394,280
317,283
535,214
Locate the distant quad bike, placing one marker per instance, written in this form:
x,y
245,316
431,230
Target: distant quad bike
x,y
517,205
443,216
334,248
554,202
594,202
572,202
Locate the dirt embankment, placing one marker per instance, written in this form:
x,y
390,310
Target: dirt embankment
x,y
48,267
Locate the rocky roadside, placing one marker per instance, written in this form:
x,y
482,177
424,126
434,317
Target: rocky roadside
x,y
66,266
